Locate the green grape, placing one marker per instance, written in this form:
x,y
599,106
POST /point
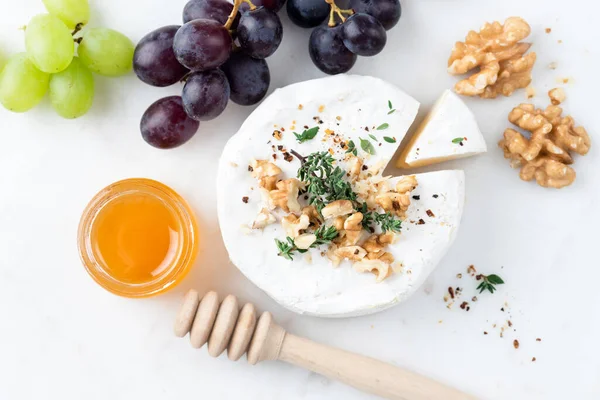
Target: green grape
x,y
2,61
71,12
106,52
49,43
72,90
22,85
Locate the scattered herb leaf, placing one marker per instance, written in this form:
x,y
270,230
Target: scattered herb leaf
x,y
489,283
373,137
383,126
352,148
390,106
307,135
458,140
389,139
367,146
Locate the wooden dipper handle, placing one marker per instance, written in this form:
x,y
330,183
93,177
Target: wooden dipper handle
x,y
225,326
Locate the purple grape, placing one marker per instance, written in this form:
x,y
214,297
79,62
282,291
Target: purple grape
x,y
259,32
273,5
363,35
202,44
387,12
205,94
327,50
154,61
248,78
216,10
165,124
307,13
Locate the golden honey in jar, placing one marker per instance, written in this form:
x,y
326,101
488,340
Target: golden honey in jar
x,y
138,238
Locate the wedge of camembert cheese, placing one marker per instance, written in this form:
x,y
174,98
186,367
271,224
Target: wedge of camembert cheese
x,y
306,212
448,132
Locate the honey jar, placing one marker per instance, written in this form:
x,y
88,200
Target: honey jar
x,y
138,238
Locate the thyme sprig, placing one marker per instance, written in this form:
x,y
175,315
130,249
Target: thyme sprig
x,y
287,248
385,220
324,182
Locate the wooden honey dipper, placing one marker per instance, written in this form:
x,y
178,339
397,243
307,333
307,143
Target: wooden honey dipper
x,y
225,326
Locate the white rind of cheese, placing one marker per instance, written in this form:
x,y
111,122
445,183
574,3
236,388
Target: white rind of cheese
x,y
310,284
449,119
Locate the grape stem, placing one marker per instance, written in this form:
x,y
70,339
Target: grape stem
x,y
336,10
236,9
77,29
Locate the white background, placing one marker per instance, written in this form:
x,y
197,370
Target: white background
x,y
63,337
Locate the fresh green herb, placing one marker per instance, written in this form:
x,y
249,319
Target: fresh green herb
x,y
383,126
392,109
389,139
385,220
367,146
489,282
458,140
352,148
324,182
307,135
373,137
324,236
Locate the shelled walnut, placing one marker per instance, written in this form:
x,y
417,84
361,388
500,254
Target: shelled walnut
x,y
545,155
500,56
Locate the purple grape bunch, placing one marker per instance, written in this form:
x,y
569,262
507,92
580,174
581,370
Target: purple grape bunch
x,y
219,53
340,35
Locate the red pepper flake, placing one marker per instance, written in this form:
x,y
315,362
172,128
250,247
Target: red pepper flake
x,y
485,333
250,169
509,323
280,148
305,126
338,118
275,157
465,306
288,157
421,222
533,359
538,339
516,344
479,277
548,30
459,276
474,299
300,106
282,129
451,291
245,199
367,128
471,270
277,134
430,213
321,108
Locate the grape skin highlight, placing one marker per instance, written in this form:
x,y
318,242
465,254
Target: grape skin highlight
x,y
106,52
165,124
22,85
248,77
154,61
49,43
72,90
71,12
205,94
364,35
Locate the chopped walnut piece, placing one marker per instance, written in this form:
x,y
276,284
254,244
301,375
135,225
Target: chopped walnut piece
x,y
268,182
338,223
353,229
352,253
557,96
496,50
294,224
337,208
263,219
355,167
262,168
394,203
313,215
305,240
545,155
406,184
286,195
377,267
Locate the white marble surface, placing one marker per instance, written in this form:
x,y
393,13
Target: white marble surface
x,y
63,337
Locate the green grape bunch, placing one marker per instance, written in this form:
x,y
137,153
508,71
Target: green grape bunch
x,y
59,61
